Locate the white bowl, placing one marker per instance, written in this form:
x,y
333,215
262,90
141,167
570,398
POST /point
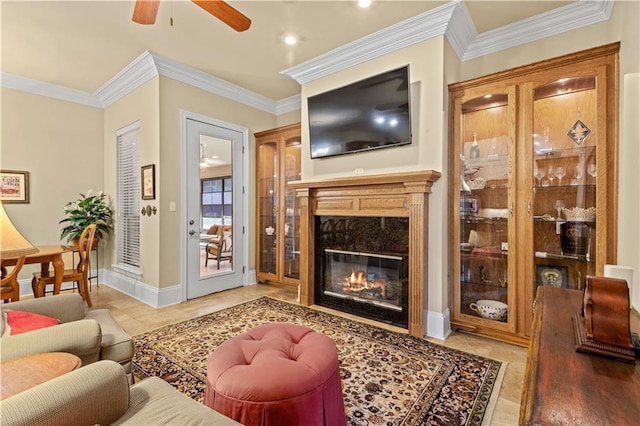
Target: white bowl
x,y
490,309
579,214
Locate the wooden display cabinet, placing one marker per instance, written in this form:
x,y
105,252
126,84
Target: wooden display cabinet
x,y
277,210
533,175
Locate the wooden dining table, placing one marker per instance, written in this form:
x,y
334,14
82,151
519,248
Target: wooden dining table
x,y
46,255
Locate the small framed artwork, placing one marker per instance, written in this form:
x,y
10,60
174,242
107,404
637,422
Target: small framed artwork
x,y
14,186
149,182
552,276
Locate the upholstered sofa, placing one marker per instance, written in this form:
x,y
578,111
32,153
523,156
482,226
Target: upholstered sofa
x,y
99,394
92,335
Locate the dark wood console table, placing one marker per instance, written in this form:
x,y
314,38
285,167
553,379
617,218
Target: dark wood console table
x,y
564,387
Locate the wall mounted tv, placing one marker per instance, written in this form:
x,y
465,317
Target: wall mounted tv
x,y
369,114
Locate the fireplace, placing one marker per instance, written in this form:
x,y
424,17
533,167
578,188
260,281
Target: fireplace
x,y
373,227
362,266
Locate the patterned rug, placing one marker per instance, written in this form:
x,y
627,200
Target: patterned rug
x,y
388,378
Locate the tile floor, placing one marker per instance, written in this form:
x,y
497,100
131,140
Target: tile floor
x,y
137,317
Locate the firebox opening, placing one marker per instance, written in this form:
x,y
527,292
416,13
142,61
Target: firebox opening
x,y
361,266
364,278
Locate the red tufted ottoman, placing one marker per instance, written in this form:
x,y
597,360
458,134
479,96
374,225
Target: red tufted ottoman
x,y
277,374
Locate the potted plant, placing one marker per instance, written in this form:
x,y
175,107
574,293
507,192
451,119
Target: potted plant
x,y
88,209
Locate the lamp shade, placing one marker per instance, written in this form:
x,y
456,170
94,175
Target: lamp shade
x,y
12,243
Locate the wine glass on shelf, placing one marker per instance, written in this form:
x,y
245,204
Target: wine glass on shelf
x,y
560,173
539,175
591,169
551,175
577,172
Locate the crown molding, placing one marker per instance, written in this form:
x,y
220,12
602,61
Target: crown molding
x,y
566,18
142,69
191,76
403,34
461,30
453,20
138,72
36,87
292,103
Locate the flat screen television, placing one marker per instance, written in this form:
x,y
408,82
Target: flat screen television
x,y
370,114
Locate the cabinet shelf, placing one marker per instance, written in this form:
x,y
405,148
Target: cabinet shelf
x,y
569,257
579,152
564,187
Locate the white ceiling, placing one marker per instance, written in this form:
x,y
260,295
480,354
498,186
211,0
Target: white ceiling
x,y
83,44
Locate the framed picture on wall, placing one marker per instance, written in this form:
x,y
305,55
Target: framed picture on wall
x,y
149,182
14,186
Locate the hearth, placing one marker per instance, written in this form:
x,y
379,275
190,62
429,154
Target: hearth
x,y
362,266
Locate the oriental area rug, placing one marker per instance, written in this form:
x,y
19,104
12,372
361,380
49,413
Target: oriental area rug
x,y
388,378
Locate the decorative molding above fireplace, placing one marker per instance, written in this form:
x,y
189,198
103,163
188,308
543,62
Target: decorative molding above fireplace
x,y
390,195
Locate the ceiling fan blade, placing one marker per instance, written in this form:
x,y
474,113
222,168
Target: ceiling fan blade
x,y
145,11
227,14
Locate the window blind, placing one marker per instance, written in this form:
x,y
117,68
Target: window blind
x,y
128,204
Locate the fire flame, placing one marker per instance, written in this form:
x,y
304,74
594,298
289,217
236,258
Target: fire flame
x,y
357,282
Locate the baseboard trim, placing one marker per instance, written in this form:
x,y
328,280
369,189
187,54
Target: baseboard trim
x,y
152,296
438,324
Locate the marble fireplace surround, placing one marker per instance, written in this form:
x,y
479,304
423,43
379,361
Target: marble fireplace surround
x,y
389,195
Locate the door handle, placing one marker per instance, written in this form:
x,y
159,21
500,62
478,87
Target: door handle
x,y
192,232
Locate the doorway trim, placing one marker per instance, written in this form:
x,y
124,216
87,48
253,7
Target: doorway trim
x,y
184,116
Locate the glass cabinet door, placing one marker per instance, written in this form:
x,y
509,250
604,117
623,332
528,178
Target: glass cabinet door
x,y
565,137
485,208
292,171
267,243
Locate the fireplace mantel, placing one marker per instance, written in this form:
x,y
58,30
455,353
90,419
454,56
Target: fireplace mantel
x,y
389,195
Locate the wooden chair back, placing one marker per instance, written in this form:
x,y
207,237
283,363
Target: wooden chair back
x,y
85,244
10,288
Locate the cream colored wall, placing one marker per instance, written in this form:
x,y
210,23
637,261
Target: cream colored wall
x,y
288,118
60,144
143,105
440,291
623,27
176,96
427,150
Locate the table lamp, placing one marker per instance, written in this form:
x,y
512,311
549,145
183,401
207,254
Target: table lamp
x,y
12,243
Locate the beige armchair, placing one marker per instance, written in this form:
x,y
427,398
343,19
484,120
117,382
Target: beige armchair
x,y
92,335
99,394
222,249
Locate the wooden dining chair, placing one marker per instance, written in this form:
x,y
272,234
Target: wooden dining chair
x,y
79,275
10,288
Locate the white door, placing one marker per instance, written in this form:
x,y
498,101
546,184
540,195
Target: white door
x,y
214,196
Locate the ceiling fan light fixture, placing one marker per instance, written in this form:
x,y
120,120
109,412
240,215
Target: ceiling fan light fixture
x,y
364,3
290,39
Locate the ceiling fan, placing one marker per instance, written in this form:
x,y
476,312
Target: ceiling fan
x,y
145,13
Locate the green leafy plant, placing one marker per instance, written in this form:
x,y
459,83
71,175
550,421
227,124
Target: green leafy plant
x,y
88,209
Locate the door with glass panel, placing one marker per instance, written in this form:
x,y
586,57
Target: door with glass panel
x,y
485,293
214,208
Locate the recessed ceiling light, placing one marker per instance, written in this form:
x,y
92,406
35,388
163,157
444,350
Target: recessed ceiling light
x,y
290,40
364,3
